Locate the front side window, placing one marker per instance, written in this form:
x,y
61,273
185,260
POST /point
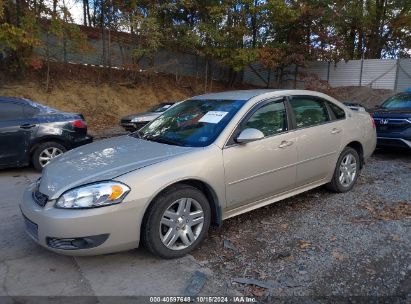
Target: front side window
x,y
270,119
11,111
308,111
192,123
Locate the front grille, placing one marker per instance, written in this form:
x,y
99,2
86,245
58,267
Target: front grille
x,y
392,124
40,198
31,228
77,243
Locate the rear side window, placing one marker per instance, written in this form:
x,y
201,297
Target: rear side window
x,y
11,111
30,111
309,111
270,119
338,112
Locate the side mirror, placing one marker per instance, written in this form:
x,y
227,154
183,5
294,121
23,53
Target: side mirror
x,y
249,135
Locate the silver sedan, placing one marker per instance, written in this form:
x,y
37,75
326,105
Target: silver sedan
x,y
204,160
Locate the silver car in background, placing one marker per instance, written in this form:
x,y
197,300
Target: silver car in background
x,y
206,159
135,122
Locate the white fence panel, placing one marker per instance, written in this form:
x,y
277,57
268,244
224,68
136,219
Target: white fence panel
x,y
319,68
345,73
404,75
379,74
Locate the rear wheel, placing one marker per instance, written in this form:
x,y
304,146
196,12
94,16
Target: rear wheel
x,y
346,171
45,152
176,222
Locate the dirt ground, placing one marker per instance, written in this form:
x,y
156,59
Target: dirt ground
x,y
365,96
322,244
103,99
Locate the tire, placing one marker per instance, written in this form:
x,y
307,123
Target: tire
x,y
39,153
173,227
338,183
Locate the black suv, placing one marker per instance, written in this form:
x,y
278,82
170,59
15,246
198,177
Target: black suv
x,y
33,133
393,120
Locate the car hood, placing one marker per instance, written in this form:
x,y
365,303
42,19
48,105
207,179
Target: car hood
x,y
151,115
379,112
103,160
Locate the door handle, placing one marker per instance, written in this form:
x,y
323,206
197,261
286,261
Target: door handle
x,y
285,144
27,126
335,131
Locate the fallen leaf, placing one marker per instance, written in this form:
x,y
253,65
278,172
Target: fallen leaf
x,y
370,271
258,291
284,226
333,238
303,244
338,256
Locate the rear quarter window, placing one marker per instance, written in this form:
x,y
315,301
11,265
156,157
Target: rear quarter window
x,y
337,111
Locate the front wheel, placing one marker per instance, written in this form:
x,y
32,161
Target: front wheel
x,y
176,222
346,171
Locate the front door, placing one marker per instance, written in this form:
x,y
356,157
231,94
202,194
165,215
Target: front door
x,y
265,167
15,134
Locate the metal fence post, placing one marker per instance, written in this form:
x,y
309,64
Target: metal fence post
x,y
328,71
396,75
362,65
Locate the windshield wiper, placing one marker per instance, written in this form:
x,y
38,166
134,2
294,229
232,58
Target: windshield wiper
x,y
162,140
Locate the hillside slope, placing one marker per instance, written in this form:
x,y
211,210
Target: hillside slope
x,y
104,100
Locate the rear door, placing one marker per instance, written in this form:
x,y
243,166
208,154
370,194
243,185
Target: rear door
x,y
15,134
318,138
265,167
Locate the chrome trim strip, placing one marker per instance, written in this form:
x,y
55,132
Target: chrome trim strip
x,y
274,198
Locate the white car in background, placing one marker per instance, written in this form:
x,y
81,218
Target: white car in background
x,y
135,122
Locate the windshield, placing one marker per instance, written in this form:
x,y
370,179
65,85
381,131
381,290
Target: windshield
x,y
401,101
193,123
160,108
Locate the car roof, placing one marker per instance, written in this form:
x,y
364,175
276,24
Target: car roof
x,y
12,99
234,95
248,94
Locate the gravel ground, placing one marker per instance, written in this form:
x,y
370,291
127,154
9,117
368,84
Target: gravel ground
x,y
323,244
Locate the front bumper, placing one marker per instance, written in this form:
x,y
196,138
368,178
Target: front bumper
x,y
106,229
393,142
133,126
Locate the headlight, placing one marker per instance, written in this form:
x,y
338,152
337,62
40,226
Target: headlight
x,y
93,195
139,119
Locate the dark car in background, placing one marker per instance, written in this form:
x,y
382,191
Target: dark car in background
x,y
34,133
135,122
393,121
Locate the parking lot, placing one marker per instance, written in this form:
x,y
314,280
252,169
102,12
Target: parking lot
x,y
29,270
316,244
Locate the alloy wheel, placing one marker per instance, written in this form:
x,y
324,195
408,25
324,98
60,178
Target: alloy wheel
x,y
181,224
48,154
348,170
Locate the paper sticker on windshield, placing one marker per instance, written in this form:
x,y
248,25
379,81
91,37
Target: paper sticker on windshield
x,y
213,117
